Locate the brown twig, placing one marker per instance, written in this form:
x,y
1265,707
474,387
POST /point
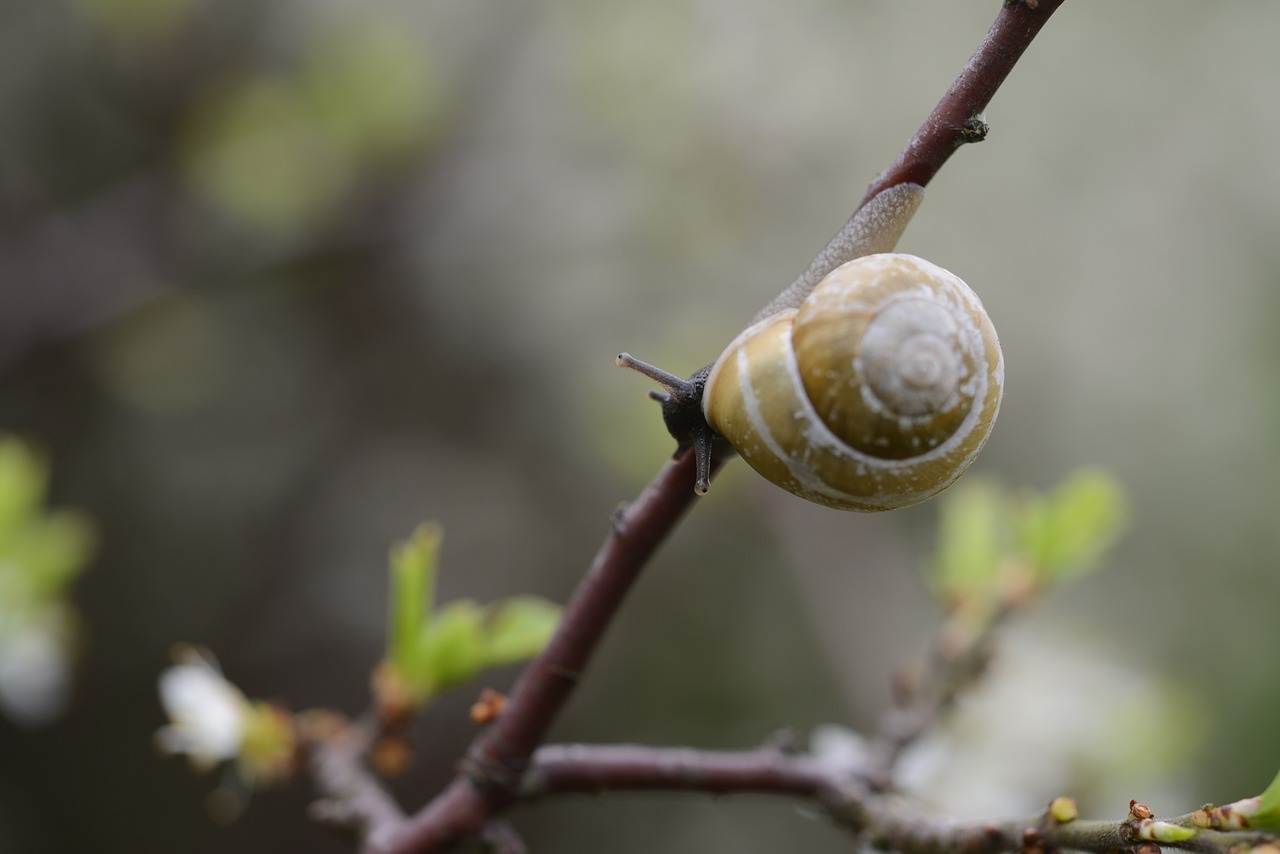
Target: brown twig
x,y
958,657
563,768
496,761
958,117
492,771
882,821
353,799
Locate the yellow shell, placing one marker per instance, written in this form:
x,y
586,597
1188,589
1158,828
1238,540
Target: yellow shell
x,y
876,393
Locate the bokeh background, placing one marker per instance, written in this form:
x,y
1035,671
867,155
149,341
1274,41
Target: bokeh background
x,y
279,280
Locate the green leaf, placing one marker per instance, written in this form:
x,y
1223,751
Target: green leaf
x,y
24,478
52,550
970,540
519,628
413,582
434,650
450,650
41,551
370,90
252,150
1267,814
1065,534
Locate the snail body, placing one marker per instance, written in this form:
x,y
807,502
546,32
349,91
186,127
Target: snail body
x,y
876,393
870,383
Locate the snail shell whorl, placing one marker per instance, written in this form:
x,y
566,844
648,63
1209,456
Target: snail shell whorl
x,y
878,392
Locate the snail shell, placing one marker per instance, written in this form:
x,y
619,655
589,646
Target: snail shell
x,y
877,392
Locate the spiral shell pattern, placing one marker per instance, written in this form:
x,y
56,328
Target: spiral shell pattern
x,y
876,393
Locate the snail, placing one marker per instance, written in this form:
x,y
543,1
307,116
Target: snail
x,y
871,383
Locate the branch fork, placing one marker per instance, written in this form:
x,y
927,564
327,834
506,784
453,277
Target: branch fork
x,y
507,761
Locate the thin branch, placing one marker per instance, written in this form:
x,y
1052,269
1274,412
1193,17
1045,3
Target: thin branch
x,y
890,826
883,821
958,117
958,657
353,799
562,768
496,760
495,764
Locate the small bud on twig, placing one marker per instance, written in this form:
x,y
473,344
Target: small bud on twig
x,y
1063,810
487,707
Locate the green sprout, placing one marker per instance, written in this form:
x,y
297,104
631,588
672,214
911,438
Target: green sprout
x,y
432,649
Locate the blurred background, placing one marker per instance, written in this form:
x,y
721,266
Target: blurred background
x,y
279,280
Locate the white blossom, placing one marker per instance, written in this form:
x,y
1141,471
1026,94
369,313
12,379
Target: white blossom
x,y
838,748
1058,711
35,666
208,714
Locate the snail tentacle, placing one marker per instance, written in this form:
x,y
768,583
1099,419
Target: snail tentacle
x,y
682,413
